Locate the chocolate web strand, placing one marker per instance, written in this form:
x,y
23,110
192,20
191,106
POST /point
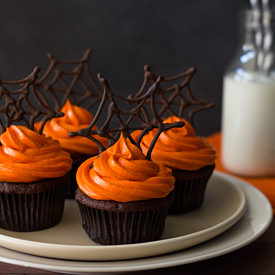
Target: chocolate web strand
x,y
79,71
23,104
162,128
150,120
176,98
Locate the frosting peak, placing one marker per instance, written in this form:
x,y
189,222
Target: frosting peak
x,y
75,115
74,119
21,138
122,173
179,148
26,156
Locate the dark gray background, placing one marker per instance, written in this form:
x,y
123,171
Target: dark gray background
x,y
170,35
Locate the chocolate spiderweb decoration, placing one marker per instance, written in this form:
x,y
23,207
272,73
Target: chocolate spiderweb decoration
x,y
177,97
70,79
21,103
138,116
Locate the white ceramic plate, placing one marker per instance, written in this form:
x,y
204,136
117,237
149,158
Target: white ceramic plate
x,y
255,221
223,206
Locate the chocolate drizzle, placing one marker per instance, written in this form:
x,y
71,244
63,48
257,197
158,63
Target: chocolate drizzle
x,y
173,100
137,111
70,80
23,103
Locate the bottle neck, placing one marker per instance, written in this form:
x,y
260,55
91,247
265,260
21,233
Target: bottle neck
x,y
247,39
256,51
249,25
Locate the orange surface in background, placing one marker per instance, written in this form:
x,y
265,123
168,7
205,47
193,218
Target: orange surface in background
x,y
264,184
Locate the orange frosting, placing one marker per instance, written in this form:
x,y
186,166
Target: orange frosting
x,y
74,119
179,148
122,174
26,156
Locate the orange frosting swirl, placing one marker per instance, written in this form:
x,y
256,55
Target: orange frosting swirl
x,y
74,119
122,174
26,156
179,148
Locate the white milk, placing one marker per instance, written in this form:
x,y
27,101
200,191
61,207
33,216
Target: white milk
x,y
248,125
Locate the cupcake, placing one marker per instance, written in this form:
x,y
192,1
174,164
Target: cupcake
x,y
191,158
80,148
123,197
33,175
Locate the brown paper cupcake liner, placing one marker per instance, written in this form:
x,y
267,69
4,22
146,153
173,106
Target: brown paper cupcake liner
x,y
190,189
122,226
32,211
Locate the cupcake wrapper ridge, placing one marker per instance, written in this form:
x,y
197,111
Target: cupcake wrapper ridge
x,y
124,227
33,211
190,189
113,228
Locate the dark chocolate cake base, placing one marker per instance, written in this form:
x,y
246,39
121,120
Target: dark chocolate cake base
x,y
113,223
32,206
189,189
78,159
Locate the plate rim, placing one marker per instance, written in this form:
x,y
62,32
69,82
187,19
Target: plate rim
x,y
159,247
151,263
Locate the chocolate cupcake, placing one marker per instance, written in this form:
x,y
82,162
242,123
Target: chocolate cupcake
x,y
33,176
80,148
191,159
122,196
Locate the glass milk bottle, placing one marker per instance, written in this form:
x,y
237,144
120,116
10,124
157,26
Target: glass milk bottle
x,y
248,105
